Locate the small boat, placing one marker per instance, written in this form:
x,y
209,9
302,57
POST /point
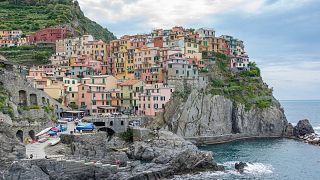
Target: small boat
x,y
43,131
44,139
54,141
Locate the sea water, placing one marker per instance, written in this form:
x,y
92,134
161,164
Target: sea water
x,y
271,158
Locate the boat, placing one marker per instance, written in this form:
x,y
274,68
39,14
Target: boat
x,y
54,141
43,131
44,139
85,127
52,133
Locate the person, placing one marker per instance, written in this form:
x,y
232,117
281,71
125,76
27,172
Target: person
x,y
118,163
31,156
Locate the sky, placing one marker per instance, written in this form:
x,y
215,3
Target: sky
x,y
281,36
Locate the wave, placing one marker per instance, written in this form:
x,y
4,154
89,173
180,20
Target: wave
x,y
258,168
252,170
317,129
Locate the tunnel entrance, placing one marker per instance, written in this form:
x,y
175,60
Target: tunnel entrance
x,y
99,123
110,132
19,135
32,134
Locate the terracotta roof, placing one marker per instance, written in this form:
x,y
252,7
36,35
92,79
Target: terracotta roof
x,y
129,82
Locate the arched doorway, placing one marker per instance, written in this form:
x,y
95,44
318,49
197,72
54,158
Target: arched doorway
x,y
19,135
43,99
22,98
32,134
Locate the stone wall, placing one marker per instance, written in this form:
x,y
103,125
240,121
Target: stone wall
x,y
200,82
22,92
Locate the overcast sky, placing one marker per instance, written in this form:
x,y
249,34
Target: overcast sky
x,y
282,36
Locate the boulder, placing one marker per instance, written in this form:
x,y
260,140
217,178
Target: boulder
x,y
240,166
302,128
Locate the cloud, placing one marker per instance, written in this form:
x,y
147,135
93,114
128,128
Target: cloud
x,y
168,13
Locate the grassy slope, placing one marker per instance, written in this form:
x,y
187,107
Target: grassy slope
x,y
30,18
246,87
29,54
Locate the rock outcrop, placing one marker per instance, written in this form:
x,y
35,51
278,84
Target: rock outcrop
x,y
161,155
302,128
207,115
240,166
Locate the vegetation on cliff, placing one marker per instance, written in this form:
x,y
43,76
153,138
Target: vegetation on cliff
x,y
29,54
5,108
32,15
245,87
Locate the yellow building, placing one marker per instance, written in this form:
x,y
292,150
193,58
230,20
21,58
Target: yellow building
x,y
70,91
54,89
129,95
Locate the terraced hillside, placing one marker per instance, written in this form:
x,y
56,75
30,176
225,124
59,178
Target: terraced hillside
x,y
32,15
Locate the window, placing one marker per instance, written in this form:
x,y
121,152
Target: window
x,y
72,95
92,81
82,87
122,123
94,102
162,106
82,95
111,123
177,71
149,106
94,110
70,89
170,65
103,81
73,81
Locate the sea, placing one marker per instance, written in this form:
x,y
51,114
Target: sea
x,y
270,158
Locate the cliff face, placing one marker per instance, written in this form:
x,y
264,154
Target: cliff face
x,y
11,149
214,115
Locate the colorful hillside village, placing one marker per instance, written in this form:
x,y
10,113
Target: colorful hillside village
x,y
134,74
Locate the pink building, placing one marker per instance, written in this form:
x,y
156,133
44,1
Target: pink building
x,y
154,98
239,62
95,94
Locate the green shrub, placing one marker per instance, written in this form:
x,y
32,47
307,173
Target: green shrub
x,y
263,103
127,136
217,83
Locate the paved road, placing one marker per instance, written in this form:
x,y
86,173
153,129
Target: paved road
x,y
36,149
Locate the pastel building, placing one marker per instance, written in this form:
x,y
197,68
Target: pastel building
x,y
98,94
239,62
70,91
153,99
130,90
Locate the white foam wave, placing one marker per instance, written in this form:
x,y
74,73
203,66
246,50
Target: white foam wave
x,y
258,168
254,169
317,129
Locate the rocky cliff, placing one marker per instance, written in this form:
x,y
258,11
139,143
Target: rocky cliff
x,y
214,115
234,104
